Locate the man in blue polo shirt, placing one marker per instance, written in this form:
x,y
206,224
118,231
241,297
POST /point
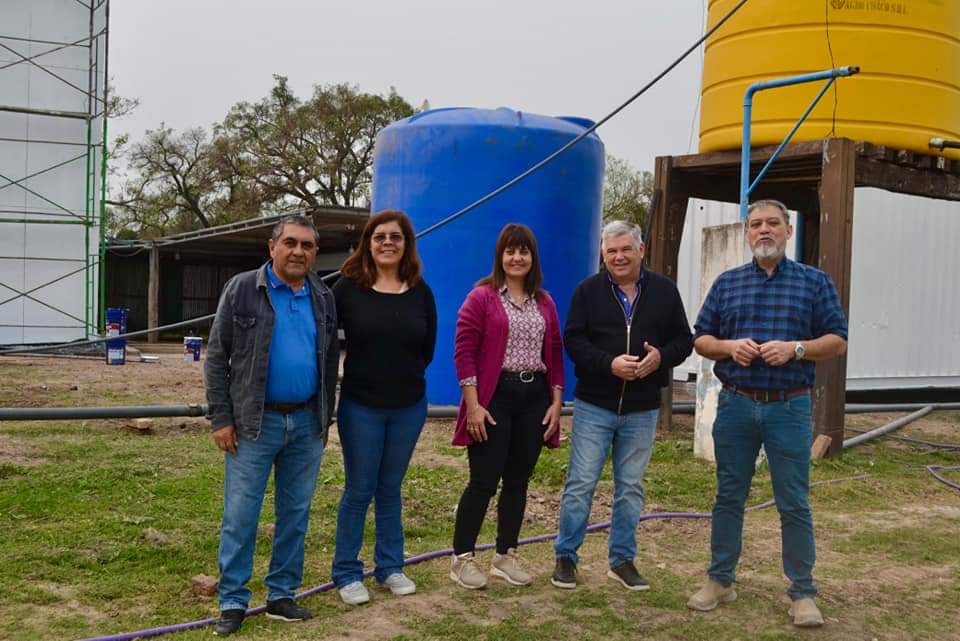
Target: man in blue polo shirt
x,y
765,323
271,375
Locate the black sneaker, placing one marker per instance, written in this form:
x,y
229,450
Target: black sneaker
x,y
229,622
564,574
628,576
287,610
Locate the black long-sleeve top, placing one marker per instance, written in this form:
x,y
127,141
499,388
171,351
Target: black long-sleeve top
x,y
596,333
390,341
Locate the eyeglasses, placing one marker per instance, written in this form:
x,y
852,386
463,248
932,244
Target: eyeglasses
x,y
394,237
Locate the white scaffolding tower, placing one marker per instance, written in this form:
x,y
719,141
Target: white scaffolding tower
x,y
53,153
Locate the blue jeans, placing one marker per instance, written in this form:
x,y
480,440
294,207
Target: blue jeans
x,y
595,430
291,445
784,430
377,446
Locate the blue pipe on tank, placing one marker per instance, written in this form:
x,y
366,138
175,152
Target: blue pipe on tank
x,y
830,75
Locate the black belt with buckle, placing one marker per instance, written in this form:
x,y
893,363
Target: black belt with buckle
x,y
767,395
526,376
289,408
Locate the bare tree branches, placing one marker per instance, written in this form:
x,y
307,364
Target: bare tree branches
x,y
268,155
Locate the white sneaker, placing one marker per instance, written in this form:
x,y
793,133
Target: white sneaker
x,y
354,593
399,584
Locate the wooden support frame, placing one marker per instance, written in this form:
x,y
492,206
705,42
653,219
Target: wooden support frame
x,y
817,178
835,243
153,294
663,248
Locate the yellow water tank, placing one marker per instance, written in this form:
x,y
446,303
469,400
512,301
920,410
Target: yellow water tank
x,y
907,92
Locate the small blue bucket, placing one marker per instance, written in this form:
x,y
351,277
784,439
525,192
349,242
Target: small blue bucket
x,y
191,348
116,324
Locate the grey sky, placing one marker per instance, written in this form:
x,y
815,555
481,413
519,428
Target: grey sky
x,y
189,62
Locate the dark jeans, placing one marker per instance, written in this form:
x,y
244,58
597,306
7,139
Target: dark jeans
x,y
509,453
784,429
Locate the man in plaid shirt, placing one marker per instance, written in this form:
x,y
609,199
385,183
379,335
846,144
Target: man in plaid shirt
x,y
765,324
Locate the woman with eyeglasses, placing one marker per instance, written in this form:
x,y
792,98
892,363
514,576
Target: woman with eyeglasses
x,y
389,320
509,360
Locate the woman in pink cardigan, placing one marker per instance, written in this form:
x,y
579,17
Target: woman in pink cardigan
x,y
509,359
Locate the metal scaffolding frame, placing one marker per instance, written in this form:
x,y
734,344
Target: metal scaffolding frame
x,y
52,59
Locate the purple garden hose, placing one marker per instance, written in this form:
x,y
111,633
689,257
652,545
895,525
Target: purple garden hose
x,y
436,554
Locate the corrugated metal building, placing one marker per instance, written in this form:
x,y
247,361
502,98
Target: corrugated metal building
x,y
905,293
193,267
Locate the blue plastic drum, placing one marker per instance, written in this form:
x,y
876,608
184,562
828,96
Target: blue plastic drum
x,y
435,163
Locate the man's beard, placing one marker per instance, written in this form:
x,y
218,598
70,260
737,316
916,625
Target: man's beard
x,y
768,250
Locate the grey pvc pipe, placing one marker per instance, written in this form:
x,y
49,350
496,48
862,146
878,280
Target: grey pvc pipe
x,y
450,411
889,427
128,411
196,409
869,408
434,411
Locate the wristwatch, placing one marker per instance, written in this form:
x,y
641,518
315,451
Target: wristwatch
x,y
799,351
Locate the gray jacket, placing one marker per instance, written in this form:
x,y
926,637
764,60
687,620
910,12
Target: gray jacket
x,y
235,372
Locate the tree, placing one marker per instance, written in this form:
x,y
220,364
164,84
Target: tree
x,y
627,192
312,153
265,157
178,187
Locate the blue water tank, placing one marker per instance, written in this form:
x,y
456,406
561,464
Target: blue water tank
x,y
437,162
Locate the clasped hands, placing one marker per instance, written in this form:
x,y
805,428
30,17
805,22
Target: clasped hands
x,y
631,368
743,351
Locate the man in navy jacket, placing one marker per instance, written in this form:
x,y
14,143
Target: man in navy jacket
x,y
626,328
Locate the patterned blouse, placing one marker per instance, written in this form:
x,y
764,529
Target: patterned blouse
x,y
524,339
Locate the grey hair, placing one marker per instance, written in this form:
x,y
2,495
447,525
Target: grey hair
x,y
294,219
620,228
771,204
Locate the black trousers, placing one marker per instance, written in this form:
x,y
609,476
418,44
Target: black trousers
x,y
510,453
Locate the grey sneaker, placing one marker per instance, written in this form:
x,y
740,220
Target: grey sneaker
x,y
507,567
399,584
711,595
626,574
354,593
806,614
466,574
564,574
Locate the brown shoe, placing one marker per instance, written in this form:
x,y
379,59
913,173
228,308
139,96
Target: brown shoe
x,y
711,595
806,614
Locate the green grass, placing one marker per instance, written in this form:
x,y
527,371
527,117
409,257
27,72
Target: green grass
x,y
74,561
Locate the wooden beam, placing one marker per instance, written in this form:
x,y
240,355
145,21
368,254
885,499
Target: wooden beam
x,y
663,248
835,242
153,294
757,154
907,180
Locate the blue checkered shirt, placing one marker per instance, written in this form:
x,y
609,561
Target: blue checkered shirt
x,y
795,303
